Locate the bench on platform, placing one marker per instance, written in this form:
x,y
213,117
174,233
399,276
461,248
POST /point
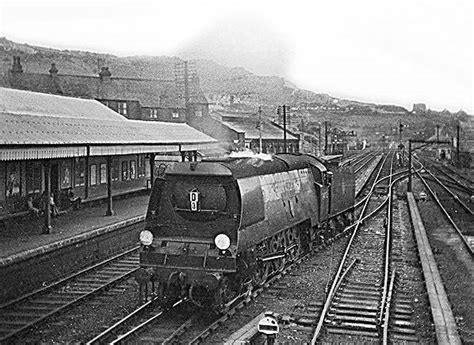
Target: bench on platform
x,y
10,211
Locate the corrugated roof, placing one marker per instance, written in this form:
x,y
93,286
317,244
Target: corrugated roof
x,y
39,104
29,118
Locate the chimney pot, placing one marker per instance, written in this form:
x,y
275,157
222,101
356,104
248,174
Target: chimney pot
x,y
53,70
17,67
104,73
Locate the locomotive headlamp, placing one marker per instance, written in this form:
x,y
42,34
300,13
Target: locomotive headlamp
x,y
146,237
222,241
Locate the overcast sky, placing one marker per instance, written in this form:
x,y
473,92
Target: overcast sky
x,y
391,52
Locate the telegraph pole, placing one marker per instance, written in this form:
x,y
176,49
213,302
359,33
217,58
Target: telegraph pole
x,y
260,129
458,163
279,112
319,141
400,130
284,128
325,137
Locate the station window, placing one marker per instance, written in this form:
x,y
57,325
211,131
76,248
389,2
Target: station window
x,y
79,171
93,174
13,180
103,173
115,170
154,113
175,114
66,177
125,171
122,108
141,166
33,177
133,170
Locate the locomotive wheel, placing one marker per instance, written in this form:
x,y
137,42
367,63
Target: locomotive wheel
x,y
278,244
293,239
224,294
170,292
260,274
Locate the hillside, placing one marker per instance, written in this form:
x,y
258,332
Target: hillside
x,y
238,89
218,82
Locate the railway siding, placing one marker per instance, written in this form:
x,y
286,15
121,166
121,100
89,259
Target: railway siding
x,y
31,269
445,325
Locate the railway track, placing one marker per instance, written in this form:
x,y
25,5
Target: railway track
x,y
143,326
459,215
177,326
359,301
20,314
155,325
168,326
150,324
409,283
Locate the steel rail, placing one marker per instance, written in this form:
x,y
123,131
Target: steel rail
x,y
125,336
343,260
453,224
449,191
112,328
75,300
387,309
388,243
68,278
466,189
367,180
69,304
248,296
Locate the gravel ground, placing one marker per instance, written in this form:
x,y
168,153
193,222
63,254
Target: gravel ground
x,y
299,295
455,266
410,280
84,322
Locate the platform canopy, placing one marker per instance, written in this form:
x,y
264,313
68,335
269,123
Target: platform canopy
x,y
42,126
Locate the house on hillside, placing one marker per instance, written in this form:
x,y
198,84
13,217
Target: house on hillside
x,y
165,100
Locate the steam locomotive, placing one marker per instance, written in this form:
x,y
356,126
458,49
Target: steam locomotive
x,y
214,228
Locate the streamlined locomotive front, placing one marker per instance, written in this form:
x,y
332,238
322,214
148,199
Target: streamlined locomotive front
x,y
189,245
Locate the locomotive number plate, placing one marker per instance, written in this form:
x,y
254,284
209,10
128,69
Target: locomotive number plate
x,y
194,199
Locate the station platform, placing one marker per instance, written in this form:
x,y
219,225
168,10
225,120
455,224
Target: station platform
x,y
22,238
443,318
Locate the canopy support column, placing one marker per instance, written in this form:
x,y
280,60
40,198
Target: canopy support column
x,y
110,210
46,199
152,169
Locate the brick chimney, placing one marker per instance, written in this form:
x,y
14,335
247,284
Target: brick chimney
x,y
53,71
16,67
104,73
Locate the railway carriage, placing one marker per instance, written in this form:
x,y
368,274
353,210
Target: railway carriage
x,y
216,227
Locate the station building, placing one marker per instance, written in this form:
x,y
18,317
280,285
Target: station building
x,y
54,145
165,97
238,131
